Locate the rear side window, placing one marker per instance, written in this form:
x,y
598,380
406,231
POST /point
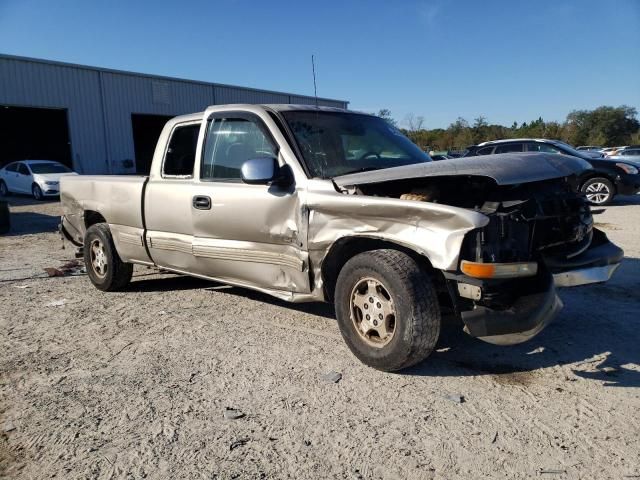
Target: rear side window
x,y
13,167
542,147
485,151
181,153
511,147
231,142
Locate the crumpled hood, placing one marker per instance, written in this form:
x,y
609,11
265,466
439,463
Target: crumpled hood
x,y
503,168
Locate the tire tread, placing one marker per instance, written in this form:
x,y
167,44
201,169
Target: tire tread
x,y
424,326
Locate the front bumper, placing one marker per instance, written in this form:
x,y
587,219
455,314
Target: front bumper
x,y
524,319
595,265
507,312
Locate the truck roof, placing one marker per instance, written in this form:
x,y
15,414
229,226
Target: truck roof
x,y
282,107
278,107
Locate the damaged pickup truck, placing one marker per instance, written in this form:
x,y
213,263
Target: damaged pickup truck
x,y
320,204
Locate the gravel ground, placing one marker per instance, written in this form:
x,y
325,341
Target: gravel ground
x,y
138,384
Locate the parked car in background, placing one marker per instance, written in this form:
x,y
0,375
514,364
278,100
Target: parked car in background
x,y
589,148
601,184
40,178
439,155
612,151
628,155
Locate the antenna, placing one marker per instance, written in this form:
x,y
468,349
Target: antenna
x,y
315,90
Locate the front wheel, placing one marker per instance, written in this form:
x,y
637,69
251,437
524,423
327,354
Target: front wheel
x,y
37,192
387,309
599,191
105,268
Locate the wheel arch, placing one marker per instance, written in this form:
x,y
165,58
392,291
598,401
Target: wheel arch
x,y
347,247
91,217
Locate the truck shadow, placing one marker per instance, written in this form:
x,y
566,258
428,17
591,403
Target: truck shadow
x,y
595,335
17,200
25,223
171,282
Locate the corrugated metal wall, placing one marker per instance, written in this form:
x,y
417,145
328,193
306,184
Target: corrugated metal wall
x,y
100,102
31,84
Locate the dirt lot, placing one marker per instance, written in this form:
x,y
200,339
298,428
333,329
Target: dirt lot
x,y
136,384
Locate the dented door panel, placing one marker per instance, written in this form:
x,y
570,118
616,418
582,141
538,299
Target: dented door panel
x,y
251,234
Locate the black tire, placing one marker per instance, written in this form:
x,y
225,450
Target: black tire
x,y
36,191
599,190
4,190
114,274
416,319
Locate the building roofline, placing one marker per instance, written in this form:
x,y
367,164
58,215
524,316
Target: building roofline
x,y
159,77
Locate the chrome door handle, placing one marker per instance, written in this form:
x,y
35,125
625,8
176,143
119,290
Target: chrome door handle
x,y
202,202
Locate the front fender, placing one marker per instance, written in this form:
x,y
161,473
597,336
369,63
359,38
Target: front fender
x,y
433,230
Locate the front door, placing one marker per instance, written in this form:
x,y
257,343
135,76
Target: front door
x,y
23,179
246,234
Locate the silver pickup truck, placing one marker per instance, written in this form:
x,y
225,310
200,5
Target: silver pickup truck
x,y
321,204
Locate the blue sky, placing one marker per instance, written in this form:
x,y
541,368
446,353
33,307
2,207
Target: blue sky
x,y
506,60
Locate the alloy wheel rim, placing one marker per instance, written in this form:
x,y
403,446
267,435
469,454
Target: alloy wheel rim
x,y
98,258
373,312
597,192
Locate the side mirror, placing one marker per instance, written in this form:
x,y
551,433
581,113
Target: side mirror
x,y
265,171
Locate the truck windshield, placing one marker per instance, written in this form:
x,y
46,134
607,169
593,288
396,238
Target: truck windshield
x,y
338,143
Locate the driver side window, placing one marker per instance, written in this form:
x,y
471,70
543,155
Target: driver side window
x,y
22,169
230,142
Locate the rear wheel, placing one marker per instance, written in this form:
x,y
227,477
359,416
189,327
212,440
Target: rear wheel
x,y
598,190
4,191
104,266
37,192
387,309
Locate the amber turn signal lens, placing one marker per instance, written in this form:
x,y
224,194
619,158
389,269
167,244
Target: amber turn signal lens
x,y
498,270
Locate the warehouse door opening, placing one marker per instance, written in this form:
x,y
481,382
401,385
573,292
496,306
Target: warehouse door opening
x,y
146,131
34,134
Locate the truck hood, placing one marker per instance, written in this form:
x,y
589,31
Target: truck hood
x,y
504,169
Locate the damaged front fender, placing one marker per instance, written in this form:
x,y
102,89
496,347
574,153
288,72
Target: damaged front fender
x,y
433,230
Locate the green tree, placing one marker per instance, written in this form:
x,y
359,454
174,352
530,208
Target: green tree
x,y
602,126
385,114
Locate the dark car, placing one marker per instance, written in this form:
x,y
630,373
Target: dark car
x,y
601,184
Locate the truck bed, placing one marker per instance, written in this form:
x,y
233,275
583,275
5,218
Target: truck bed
x,y
118,198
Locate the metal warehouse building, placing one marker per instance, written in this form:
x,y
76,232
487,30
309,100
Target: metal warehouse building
x,y
98,120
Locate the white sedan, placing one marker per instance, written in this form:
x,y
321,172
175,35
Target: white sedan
x,y
40,178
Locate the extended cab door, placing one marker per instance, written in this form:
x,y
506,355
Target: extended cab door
x,y
252,235
168,199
